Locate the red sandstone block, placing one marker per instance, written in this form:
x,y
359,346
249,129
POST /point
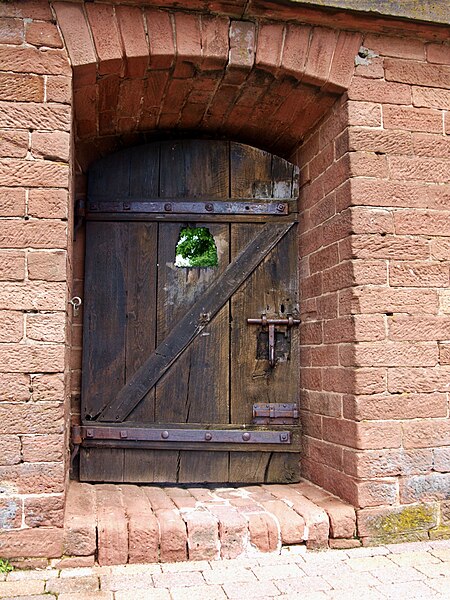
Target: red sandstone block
x,y
380,141
295,49
264,531
46,328
325,453
431,145
59,89
19,358
342,66
377,493
45,542
338,277
107,40
21,87
33,60
12,265
22,115
438,53
352,328
417,73
10,450
48,447
421,380
421,517
379,91
41,33
160,38
419,274
11,510
143,532
342,517
292,525
202,535
389,354
365,114
242,45
188,41
112,530
80,520
11,31
32,173
73,562
401,47
359,381
51,146
420,169
374,246
412,119
269,46
214,41
12,202
399,194
173,536
14,387
31,418
324,258
316,519
368,220
44,511
34,234
426,433
431,97
13,144
320,54
233,530
388,407
420,222
444,354
34,478
11,326
424,488
30,9
387,463
426,328
131,27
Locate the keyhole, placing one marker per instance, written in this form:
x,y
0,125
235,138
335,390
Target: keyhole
x,y
282,308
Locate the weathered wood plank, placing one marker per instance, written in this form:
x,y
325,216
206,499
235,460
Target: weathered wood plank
x,y
193,323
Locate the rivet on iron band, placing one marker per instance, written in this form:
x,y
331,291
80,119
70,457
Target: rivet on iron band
x,y
208,437
209,207
281,207
168,207
246,436
89,433
123,434
165,435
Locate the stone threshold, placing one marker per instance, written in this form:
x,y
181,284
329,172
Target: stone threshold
x,y
113,524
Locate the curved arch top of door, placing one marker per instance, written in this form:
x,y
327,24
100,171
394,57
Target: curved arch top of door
x,y
190,374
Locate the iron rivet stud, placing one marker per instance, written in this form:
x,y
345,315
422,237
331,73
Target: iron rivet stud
x,y
208,437
209,207
246,436
168,207
281,207
123,434
284,437
89,433
165,435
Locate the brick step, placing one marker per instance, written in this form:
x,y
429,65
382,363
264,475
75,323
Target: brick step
x,y
121,523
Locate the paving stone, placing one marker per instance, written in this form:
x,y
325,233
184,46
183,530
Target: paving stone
x,y
147,569
410,547
25,575
39,597
302,585
434,570
120,582
87,596
250,590
229,575
368,551
357,594
351,580
277,572
442,554
397,574
441,585
73,584
204,592
154,594
192,565
414,558
169,580
21,588
368,563
406,591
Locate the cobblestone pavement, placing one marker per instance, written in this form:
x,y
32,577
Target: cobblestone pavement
x,y
404,571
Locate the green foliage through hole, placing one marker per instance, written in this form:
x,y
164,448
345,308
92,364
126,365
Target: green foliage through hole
x,y
196,248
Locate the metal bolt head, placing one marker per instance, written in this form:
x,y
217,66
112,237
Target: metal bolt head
x,y
165,435
284,437
208,436
209,207
281,207
246,436
168,207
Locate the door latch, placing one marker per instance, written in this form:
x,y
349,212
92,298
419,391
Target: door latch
x,y
271,324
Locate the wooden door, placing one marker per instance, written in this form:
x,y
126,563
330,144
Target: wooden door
x,y
177,385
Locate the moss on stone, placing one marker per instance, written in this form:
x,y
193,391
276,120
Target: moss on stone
x,y
410,518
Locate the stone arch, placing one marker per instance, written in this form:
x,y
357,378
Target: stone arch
x,y
149,69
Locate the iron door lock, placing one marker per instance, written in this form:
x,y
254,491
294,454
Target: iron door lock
x,y
271,324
